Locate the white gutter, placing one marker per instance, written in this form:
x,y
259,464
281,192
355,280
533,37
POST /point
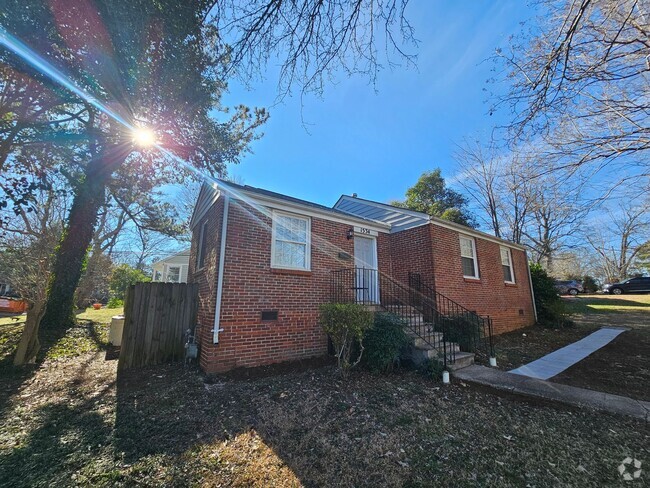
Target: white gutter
x,y
222,263
530,281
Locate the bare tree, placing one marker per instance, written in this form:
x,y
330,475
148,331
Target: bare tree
x,y
27,241
312,39
619,239
580,84
517,198
480,171
557,213
501,183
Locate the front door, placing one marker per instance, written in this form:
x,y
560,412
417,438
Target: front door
x,y
366,274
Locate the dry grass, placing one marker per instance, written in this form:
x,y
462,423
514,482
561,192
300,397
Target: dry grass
x,y
73,423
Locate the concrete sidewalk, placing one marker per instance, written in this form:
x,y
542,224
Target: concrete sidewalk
x,y
554,363
570,395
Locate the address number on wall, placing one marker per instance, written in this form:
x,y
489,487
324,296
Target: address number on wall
x,y
365,231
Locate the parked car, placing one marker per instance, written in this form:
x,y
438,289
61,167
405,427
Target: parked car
x,y
569,287
633,285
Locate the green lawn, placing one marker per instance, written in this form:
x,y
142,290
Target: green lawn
x,y
590,304
90,334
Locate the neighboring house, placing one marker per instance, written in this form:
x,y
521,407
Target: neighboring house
x,y
172,269
265,262
5,287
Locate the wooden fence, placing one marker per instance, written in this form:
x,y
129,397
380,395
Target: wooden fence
x,y
156,317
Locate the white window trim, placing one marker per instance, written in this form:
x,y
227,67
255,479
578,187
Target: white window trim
x,y
174,266
474,257
274,216
512,268
199,254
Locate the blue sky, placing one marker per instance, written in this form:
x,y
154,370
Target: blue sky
x,y
377,143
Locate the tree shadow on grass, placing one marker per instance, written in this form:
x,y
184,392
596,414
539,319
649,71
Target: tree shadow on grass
x,y
55,344
63,436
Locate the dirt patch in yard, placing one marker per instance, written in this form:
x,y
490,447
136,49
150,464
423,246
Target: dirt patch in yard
x,y
73,423
523,346
622,367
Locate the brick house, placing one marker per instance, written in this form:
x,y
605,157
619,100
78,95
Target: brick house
x,y
264,263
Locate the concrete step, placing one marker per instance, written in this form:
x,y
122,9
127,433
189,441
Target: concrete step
x,y
462,360
402,309
419,330
436,345
420,354
434,338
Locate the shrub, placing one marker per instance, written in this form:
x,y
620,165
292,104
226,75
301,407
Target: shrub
x,y
551,310
346,324
589,284
124,276
432,368
384,342
115,303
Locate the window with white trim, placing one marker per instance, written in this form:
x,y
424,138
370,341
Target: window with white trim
x,y
291,244
468,257
203,244
506,264
174,274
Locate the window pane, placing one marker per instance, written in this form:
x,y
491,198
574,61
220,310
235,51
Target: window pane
x,y
203,246
468,266
291,229
290,254
505,257
507,273
174,275
466,247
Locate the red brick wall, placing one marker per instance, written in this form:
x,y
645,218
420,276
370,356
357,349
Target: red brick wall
x,y
207,276
251,285
489,295
411,251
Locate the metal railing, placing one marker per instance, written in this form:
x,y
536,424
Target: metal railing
x,y
418,312
471,331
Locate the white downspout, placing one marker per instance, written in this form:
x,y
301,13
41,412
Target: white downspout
x,y
530,281
222,263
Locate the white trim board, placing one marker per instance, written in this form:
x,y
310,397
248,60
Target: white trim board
x,y
279,204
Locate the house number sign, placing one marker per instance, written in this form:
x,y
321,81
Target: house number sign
x,y
365,231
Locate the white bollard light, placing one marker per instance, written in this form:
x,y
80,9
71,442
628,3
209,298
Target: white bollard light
x,y
445,377
493,362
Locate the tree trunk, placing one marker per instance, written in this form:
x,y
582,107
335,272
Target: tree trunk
x,y
29,344
77,236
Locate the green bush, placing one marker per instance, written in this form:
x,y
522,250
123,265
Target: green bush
x,y
346,324
589,284
115,303
551,311
384,342
432,368
124,276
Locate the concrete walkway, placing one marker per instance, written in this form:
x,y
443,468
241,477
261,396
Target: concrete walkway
x,y
580,397
556,362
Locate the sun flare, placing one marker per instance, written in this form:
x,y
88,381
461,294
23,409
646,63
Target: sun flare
x,y
144,137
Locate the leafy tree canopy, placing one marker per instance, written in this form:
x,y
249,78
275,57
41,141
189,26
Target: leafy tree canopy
x,y
127,64
432,196
124,276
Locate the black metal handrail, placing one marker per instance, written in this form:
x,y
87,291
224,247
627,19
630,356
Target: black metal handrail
x,y
471,331
419,313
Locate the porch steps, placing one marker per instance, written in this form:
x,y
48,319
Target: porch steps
x,y
429,346
426,342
